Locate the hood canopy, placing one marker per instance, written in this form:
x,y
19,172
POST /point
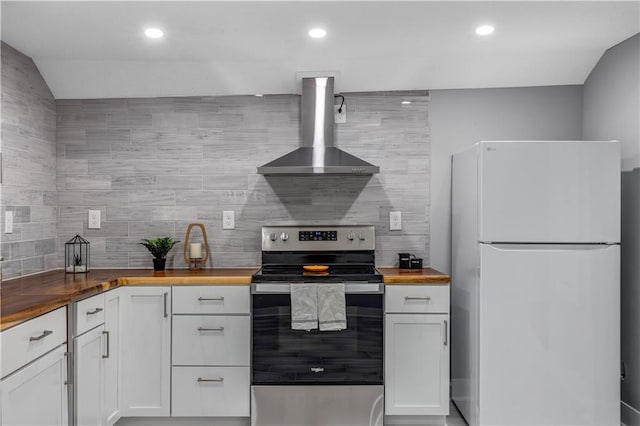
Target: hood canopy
x,y
317,154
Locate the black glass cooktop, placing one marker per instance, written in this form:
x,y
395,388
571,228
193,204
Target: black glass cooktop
x,y
334,273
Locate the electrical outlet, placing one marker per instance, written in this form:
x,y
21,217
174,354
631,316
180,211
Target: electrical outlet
x,y
395,221
228,219
94,219
8,222
340,117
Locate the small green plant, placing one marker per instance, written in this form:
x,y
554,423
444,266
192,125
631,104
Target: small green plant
x,y
159,247
77,259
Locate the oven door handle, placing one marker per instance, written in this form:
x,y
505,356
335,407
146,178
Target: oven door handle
x,y
285,288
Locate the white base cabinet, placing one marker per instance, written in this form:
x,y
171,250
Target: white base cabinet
x,y
37,394
211,351
417,351
112,397
89,378
146,351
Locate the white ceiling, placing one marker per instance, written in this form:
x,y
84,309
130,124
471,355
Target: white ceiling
x,y
91,49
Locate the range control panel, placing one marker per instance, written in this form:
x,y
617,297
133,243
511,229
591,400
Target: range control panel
x,y
318,238
318,235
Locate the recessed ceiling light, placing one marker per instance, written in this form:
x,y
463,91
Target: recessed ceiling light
x,y
406,102
153,32
259,95
484,30
317,33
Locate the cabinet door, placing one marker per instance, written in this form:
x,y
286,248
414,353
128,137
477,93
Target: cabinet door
x,y
89,377
146,348
416,364
112,359
37,395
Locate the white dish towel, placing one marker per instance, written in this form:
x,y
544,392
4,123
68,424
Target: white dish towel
x,y
332,312
304,307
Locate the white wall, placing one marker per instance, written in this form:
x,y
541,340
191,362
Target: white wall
x,y
459,118
612,111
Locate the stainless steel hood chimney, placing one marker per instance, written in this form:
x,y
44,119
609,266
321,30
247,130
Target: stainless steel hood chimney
x,y
317,154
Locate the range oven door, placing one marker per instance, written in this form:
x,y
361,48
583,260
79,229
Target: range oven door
x,y
282,356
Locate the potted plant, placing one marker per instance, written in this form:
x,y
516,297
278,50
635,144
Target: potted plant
x,y
159,247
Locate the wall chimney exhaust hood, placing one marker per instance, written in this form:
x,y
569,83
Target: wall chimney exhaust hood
x,y
317,154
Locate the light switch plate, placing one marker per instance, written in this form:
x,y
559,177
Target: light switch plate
x,y
228,219
8,222
94,219
395,221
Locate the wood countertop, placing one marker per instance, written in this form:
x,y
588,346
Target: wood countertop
x,y
25,298
413,276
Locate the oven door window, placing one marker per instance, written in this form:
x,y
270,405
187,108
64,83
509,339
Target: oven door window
x,y
285,356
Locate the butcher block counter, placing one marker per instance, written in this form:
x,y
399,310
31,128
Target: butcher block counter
x,y
25,298
413,276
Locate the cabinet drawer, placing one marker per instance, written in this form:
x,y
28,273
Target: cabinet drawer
x,y
213,299
210,391
27,341
211,340
89,313
417,299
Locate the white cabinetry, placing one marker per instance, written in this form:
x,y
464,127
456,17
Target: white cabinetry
x,y
146,365
211,340
34,369
417,351
112,359
96,335
89,378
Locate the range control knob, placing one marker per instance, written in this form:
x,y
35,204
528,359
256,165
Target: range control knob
x,y
273,236
284,236
351,236
361,237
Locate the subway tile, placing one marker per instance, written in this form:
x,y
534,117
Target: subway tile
x,y
175,120
104,105
86,120
104,137
157,167
180,182
132,183
151,229
43,247
151,105
129,120
85,152
111,167
83,183
152,198
33,265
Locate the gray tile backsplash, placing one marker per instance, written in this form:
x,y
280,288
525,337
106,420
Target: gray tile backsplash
x,y
152,166
29,167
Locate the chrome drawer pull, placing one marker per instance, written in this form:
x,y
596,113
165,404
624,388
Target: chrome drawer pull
x,y
108,345
219,379
69,356
206,299
446,332
40,337
211,329
427,298
95,311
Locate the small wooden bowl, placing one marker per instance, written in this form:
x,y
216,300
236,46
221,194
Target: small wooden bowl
x,y
315,268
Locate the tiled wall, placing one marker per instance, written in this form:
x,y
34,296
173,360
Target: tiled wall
x,y
152,166
29,167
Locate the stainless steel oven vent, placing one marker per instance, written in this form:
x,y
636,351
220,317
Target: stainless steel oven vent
x,y
318,155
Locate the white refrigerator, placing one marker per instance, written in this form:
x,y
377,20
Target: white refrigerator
x,y
535,312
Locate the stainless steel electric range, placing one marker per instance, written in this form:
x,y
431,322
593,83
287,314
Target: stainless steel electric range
x,y
329,378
